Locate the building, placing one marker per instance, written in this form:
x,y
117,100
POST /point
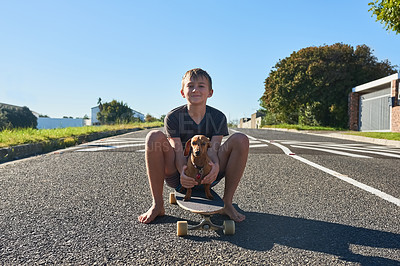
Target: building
x,y
375,106
253,122
245,123
93,117
50,123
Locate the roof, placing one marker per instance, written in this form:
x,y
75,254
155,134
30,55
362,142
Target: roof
x,y
376,84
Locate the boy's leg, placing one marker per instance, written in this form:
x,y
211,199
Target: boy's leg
x,y
160,162
232,159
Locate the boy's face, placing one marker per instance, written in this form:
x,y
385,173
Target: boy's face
x,y
196,91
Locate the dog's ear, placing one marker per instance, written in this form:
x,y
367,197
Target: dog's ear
x,y
187,147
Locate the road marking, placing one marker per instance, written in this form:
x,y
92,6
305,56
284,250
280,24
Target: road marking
x,y
101,148
283,148
362,150
258,146
349,180
332,151
340,176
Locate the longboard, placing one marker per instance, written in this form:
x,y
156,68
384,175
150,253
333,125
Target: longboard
x,y
199,204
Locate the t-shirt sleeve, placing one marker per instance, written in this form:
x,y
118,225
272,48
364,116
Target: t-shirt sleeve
x,y
217,123
171,125
223,128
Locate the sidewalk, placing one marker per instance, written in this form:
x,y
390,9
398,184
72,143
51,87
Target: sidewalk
x,y
342,135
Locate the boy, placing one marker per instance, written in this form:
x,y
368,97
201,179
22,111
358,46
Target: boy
x,y
164,154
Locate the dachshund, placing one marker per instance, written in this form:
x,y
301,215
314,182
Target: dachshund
x,y
198,164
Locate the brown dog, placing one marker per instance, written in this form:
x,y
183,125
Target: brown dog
x,y
198,164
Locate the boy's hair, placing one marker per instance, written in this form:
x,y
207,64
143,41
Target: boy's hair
x,y
195,74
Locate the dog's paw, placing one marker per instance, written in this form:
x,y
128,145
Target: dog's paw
x,y
210,197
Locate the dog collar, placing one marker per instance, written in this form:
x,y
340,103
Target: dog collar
x,y
198,167
200,174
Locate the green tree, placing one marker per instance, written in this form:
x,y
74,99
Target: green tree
x,y
387,12
115,112
150,118
311,86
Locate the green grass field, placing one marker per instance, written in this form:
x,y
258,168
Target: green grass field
x,y
13,137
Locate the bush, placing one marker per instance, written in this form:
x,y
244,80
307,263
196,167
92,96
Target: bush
x,y
310,114
16,117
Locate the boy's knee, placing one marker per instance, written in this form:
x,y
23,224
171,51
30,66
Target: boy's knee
x,y
156,141
155,136
241,139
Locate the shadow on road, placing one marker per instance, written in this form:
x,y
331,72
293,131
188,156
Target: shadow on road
x,y
260,231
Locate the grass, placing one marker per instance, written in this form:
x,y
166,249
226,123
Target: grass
x,y
378,135
303,127
13,137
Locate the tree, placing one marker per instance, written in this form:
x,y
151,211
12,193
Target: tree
x,y
100,104
387,12
150,118
311,86
115,112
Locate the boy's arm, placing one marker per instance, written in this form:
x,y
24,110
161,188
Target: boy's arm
x,y
213,155
180,160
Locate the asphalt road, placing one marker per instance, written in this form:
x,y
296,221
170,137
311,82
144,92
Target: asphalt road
x,y
334,202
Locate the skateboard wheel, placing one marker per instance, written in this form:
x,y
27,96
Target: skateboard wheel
x,y
172,199
181,228
229,227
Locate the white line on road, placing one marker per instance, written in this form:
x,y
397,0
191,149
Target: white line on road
x,y
258,145
331,151
349,180
342,177
361,150
111,147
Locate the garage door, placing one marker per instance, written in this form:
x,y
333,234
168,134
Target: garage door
x,y
375,111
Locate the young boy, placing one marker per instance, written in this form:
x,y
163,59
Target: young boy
x,y
164,153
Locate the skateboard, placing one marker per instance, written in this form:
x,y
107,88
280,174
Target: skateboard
x,y
205,207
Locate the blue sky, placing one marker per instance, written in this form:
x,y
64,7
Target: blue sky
x,y
59,57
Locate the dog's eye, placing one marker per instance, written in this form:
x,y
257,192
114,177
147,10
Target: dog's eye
x,y
202,144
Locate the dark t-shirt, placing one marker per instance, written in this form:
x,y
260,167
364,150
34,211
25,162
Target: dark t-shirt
x,y
179,124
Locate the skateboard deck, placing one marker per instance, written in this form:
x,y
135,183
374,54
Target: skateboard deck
x,y
199,204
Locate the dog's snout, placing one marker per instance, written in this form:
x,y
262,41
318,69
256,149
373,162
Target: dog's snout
x,y
197,153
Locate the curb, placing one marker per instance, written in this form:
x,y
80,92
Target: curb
x,y
392,143
33,149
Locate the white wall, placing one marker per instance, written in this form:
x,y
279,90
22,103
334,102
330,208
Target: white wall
x,y
49,123
95,110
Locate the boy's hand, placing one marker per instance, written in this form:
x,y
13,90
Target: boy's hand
x,y
186,181
212,175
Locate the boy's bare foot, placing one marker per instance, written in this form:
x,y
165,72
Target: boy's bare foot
x,y
230,211
151,214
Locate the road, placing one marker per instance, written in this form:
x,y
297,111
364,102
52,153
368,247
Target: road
x,y
307,200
